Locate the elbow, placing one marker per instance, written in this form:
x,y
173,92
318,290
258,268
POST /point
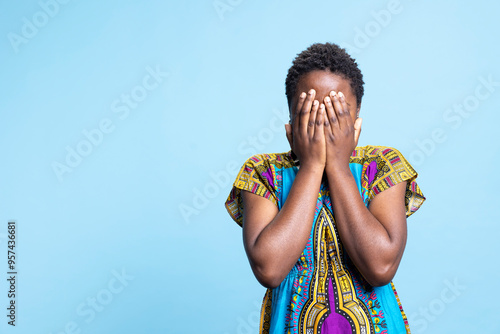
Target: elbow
x,y
268,277
379,281
381,276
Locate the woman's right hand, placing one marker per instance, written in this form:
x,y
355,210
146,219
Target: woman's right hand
x,y
306,133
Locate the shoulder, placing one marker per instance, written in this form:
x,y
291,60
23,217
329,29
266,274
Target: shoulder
x,y
258,176
278,160
370,151
263,169
384,167
380,155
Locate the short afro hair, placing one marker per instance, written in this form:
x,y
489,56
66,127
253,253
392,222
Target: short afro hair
x,y
321,56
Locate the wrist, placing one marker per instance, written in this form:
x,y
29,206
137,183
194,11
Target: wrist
x,y
337,168
316,169
337,177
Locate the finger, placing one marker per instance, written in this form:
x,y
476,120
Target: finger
x,y
337,106
331,115
296,112
312,118
319,132
305,112
345,120
328,111
329,105
357,129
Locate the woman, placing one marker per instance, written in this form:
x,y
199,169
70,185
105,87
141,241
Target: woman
x,y
324,225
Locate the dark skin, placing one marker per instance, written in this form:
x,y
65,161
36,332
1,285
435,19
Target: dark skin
x,y
324,132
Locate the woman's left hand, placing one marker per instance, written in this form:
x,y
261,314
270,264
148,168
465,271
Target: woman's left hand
x,y
341,133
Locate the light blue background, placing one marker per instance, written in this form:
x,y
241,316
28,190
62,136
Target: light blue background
x,y
120,209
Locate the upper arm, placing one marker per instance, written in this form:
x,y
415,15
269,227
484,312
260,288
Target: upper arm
x,y
257,214
388,207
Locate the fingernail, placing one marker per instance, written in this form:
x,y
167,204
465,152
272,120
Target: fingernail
x,y
302,95
327,99
315,103
341,94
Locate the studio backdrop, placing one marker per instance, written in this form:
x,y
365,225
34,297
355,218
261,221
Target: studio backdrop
x,y
124,124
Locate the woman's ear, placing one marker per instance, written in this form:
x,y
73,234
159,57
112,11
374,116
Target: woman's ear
x,y
289,134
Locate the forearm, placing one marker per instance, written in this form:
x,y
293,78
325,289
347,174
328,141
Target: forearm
x,y
373,250
281,242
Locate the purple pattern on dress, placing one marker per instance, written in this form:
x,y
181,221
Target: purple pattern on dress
x,y
334,322
371,170
268,174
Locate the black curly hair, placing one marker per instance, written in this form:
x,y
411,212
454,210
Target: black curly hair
x,y
321,56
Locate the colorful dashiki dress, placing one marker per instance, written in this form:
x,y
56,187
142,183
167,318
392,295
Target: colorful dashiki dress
x,y
324,292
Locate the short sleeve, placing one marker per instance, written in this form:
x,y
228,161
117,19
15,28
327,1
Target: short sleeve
x,y
257,175
391,169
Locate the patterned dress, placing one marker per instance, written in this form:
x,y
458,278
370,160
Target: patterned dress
x,y
324,292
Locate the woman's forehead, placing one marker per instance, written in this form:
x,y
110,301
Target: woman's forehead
x,y
323,82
